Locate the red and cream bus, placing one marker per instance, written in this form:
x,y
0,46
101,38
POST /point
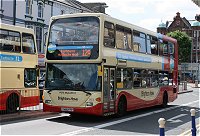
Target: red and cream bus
x,y
19,62
99,65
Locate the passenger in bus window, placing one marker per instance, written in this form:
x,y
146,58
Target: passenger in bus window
x,y
93,35
136,81
126,42
60,37
72,36
128,83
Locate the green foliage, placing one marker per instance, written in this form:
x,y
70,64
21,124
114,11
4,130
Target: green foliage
x,y
185,43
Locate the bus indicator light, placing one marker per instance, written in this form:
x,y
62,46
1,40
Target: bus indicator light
x,y
98,99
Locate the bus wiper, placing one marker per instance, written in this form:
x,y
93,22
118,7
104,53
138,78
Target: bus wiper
x,y
86,92
52,89
49,91
81,87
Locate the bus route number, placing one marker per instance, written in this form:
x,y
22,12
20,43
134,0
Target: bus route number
x,y
86,53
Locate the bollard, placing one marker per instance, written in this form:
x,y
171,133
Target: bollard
x,y
196,83
193,122
185,85
161,122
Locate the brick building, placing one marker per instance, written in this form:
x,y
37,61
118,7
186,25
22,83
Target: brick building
x,y
191,27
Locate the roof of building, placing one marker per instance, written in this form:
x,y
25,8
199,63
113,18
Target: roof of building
x,y
196,23
197,2
162,25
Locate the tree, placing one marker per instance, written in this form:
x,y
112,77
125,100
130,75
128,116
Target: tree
x,y
185,43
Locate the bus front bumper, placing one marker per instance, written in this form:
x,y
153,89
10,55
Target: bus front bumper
x,y
94,110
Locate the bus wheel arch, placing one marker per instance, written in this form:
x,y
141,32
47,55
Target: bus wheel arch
x,y
12,103
165,99
122,106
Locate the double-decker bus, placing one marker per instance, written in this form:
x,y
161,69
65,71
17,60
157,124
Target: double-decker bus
x,y
99,65
19,63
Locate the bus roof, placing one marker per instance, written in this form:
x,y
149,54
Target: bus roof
x,y
108,18
16,28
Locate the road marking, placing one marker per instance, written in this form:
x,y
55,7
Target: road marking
x,y
175,119
188,132
124,120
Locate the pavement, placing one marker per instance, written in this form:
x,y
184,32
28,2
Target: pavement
x,y
24,115
190,87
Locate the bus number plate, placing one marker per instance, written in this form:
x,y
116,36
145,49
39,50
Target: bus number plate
x,y
67,109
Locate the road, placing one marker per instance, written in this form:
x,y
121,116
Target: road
x,y
139,122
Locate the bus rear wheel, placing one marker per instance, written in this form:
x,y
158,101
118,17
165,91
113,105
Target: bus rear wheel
x,y
12,103
165,100
121,108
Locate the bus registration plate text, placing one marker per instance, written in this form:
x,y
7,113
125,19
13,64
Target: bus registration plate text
x,y
67,109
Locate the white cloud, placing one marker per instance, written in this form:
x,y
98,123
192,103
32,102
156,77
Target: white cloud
x,y
149,23
149,13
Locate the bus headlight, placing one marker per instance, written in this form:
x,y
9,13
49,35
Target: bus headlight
x,y
89,104
48,101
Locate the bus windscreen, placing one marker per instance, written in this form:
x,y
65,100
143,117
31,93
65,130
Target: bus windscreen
x,y
73,38
79,77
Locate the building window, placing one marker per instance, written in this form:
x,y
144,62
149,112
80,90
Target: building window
x,y
28,7
62,12
29,26
40,10
39,38
1,4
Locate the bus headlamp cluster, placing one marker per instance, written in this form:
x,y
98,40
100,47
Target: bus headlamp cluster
x,y
89,104
48,101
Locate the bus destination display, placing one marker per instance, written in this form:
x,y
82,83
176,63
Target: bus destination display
x,y
75,53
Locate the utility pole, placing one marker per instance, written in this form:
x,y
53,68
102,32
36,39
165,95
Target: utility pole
x,y
196,54
14,12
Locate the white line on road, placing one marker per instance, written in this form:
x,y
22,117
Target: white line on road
x,y
124,120
175,119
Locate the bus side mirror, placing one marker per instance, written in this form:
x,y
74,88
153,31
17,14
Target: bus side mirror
x,y
37,70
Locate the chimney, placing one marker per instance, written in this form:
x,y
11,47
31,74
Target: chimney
x,y
177,14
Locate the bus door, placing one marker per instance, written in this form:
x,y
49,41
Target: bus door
x,y
109,91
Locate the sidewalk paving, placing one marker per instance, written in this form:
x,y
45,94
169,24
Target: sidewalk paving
x,y
190,88
25,115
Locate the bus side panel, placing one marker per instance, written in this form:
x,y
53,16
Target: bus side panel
x,y
4,96
171,95
12,78
29,98
132,101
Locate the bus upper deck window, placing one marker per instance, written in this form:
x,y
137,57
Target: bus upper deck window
x,y
171,49
109,34
139,38
28,44
163,49
10,41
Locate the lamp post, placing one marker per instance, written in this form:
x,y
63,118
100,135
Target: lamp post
x,y
191,52
196,34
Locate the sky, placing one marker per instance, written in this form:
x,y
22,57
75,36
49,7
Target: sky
x,y
149,13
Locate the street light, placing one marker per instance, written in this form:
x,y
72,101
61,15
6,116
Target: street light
x,y
196,34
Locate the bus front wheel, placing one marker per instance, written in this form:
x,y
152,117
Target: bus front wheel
x,y
12,103
121,108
